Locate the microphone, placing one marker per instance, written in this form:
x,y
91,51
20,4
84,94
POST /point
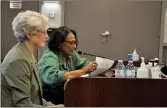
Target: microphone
x,y
82,53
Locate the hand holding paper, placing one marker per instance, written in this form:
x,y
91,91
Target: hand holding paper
x,y
103,65
92,66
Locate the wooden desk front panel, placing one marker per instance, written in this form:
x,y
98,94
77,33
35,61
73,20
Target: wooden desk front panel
x,y
108,92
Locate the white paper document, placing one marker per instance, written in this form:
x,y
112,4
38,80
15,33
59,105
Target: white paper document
x,y
103,65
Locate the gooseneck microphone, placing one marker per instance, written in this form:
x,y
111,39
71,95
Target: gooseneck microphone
x,y
83,53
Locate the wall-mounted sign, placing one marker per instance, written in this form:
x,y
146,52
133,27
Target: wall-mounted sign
x,y
52,15
16,4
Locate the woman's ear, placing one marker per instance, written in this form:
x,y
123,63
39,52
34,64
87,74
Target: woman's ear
x,y
59,47
27,34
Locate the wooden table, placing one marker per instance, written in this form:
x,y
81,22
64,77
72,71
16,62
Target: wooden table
x,y
115,92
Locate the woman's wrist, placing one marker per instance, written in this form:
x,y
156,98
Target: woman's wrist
x,y
83,71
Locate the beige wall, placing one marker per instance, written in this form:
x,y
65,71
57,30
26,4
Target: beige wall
x,y
7,15
135,20
132,24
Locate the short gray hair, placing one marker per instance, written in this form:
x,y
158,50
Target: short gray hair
x,y
28,21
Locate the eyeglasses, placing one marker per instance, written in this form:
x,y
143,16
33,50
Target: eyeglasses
x,y
44,32
71,42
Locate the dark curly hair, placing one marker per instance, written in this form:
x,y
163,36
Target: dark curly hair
x,y
58,36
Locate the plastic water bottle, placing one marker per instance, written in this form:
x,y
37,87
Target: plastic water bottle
x,y
130,70
120,69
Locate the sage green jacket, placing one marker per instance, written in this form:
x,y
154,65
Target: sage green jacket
x,y
52,68
20,81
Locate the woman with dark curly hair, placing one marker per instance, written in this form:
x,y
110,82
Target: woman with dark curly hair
x,y
60,62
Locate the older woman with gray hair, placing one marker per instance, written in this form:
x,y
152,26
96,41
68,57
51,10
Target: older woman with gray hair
x,y
21,85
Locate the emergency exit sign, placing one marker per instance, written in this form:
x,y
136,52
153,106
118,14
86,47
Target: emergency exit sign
x,y
15,4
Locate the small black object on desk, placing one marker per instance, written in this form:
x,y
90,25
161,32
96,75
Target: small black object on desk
x,y
154,61
164,69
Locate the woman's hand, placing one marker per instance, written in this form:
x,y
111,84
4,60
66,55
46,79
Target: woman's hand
x,y
92,66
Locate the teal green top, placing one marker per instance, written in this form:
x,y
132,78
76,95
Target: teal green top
x,y
52,68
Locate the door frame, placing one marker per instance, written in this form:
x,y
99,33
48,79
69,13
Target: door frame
x,y
62,2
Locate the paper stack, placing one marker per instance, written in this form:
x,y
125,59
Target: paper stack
x,y
103,65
